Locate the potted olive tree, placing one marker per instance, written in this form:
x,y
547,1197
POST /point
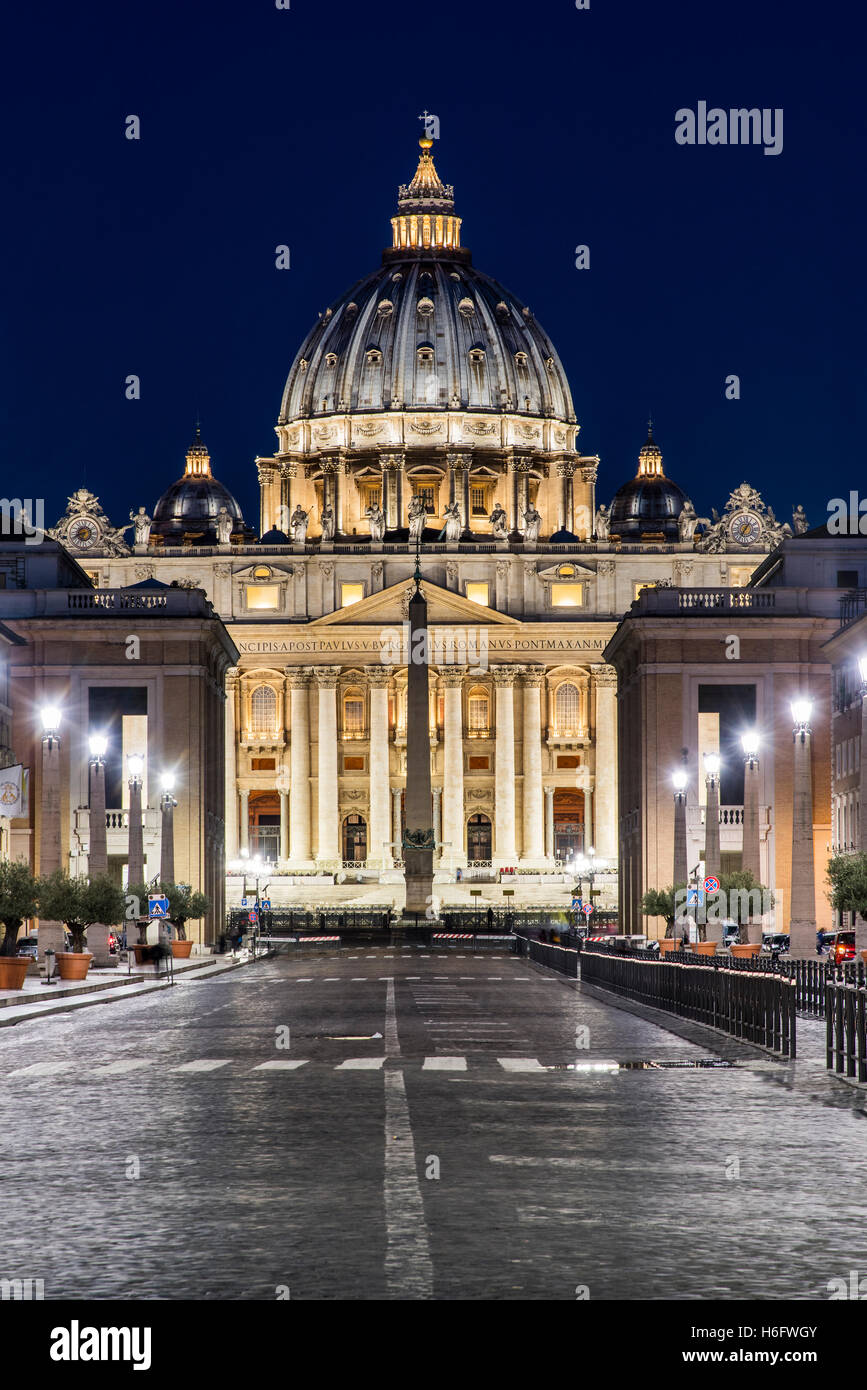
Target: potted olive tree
x,y
19,899
77,902
662,902
847,880
184,906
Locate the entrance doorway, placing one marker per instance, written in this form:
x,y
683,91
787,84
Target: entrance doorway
x,y
568,823
264,827
479,839
354,840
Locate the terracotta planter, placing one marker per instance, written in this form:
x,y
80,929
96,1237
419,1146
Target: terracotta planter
x,y
666,945
864,957
12,971
705,948
182,950
742,950
73,965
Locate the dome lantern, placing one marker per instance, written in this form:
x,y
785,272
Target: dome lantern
x,y
426,209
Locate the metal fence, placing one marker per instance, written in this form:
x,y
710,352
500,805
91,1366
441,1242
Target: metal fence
x,y
846,1028
561,958
757,1006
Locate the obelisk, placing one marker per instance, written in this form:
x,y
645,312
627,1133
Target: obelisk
x,y
418,837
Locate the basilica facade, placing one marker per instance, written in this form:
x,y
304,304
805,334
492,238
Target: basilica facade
x,y
426,419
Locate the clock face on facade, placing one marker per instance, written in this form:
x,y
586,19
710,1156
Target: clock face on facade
x,y
83,533
745,528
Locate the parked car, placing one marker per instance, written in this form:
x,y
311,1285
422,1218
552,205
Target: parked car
x,y
731,932
775,944
28,946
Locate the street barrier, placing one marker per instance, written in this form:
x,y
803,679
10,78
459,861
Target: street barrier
x,y
757,1006
846,1029
560,958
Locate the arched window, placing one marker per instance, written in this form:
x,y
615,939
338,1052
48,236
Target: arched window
x,y
263,710
477,713
568,708
353,715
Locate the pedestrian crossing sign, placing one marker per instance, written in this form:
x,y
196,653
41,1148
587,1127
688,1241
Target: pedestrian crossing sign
x,y
158,906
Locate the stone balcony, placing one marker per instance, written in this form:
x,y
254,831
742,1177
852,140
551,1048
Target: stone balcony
x,y
117,830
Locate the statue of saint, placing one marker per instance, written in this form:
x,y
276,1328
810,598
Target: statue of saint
x,y
454,525
142,523
532,524
417,514
601,523
687,522
327,518
799,520
298,525
376,519
498,523
224,526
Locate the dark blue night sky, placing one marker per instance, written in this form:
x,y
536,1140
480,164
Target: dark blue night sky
x,y
263,126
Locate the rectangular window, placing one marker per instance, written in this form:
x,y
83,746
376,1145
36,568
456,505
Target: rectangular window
x,y
478,592
263,764
353,764
351,593
477,714
263,596
567,595
477,501
847,579
353,718
425,492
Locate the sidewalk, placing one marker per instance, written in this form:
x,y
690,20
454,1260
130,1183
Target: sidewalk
x,y
37,1000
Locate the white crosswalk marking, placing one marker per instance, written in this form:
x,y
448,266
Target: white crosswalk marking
x,y
203,1064
444,1064
280,1066
43,1068
520,1064
361,1064
122,1065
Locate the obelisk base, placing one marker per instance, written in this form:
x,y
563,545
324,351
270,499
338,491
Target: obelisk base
x,y
418,873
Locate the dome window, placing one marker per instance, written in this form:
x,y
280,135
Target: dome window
x,y
425,354
467,308
351,310
385,307
331,359
425,307
373,357
454,275
303,364
521,359
549,363
502,311
477,355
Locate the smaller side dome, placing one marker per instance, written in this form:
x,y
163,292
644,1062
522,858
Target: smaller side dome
x,y
650,503
188,511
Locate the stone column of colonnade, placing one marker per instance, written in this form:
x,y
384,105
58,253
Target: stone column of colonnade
x,y
453,848
605,681
379,829
299,766
231,793
328,843
505,851
533,846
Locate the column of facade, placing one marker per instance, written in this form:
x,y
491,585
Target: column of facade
x,y
231,793
396,818
328,845
288,473
459,468
391,464
284,825
453,849
534,825
298,680
244,799
437,793
505,852
511,493
549,823
265,477
605,683
566,472
379,831
589,841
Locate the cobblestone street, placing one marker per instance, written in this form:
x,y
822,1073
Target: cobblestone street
x,y
431,1130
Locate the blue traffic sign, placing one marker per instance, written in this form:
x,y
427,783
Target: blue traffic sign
x,y
266,903
158,905
692,897
243,902
576,902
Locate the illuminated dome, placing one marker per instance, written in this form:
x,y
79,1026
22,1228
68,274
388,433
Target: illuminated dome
x,y
649,504
188,509
426,330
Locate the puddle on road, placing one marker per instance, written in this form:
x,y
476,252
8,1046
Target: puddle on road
x,y
704,1063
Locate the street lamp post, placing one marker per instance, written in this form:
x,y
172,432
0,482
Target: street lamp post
x,y
751,845
681,870
135,862
802,918
861,922
714,928
51,934
97,854
167,837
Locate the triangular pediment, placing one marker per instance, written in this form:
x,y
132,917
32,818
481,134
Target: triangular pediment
x,y
389,606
